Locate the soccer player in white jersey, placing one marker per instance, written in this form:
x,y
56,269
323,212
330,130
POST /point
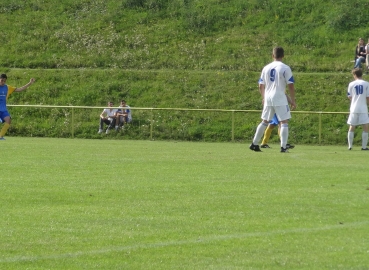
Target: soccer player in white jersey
x,y
358,93
272,86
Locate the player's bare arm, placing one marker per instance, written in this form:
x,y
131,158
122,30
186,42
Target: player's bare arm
x,y
121,114
24,87
262,91
291,89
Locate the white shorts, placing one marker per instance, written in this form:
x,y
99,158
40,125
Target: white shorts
x,y
283,112
356,119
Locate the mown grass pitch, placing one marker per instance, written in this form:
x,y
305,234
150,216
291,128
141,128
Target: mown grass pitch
x,y
101,204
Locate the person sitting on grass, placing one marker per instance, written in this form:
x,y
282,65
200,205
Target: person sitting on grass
x,y
367,56
124,115
108,116
360,54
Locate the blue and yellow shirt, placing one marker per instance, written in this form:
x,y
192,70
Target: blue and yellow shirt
x,y
5,92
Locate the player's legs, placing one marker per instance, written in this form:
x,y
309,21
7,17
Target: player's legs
x,y
364,140
283,114
260,131
364,136
4,129
7,121
266,115
267,134
352,120
350,136
274,122
284,134
356,119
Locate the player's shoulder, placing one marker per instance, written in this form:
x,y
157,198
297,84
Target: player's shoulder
x,y
352,83
277,65
360,81
284,66
269,66
281,66
365,82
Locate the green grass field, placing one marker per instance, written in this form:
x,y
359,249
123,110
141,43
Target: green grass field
x,y
108,204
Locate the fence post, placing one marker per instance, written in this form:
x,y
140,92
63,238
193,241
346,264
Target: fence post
x,y
232,125
72,122
320,128
151,123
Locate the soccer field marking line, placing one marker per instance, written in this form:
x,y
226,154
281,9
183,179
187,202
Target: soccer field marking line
x,y
200,240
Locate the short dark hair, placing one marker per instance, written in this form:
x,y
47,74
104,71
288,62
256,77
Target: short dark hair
x,y
278,52
123,101
358,72
3,76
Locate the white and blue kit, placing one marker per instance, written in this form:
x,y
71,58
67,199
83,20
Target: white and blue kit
x,y
276,76
358,92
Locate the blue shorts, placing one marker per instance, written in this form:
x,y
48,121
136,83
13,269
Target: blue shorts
x,y
3,114
274,121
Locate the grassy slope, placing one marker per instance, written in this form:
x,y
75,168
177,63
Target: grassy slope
x,y
189,54
214,34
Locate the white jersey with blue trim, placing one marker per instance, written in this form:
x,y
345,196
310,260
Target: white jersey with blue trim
x,y
275,76
358,90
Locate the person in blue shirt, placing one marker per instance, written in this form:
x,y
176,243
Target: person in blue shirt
x,y
124,115
5,92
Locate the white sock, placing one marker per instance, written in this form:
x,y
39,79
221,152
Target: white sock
x,y
284,135
350,138
364,139
259,132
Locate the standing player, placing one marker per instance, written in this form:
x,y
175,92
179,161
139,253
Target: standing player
x,y
5,92
272,85
358,93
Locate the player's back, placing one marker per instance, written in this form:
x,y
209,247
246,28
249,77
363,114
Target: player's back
x,y
275,76
358,90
